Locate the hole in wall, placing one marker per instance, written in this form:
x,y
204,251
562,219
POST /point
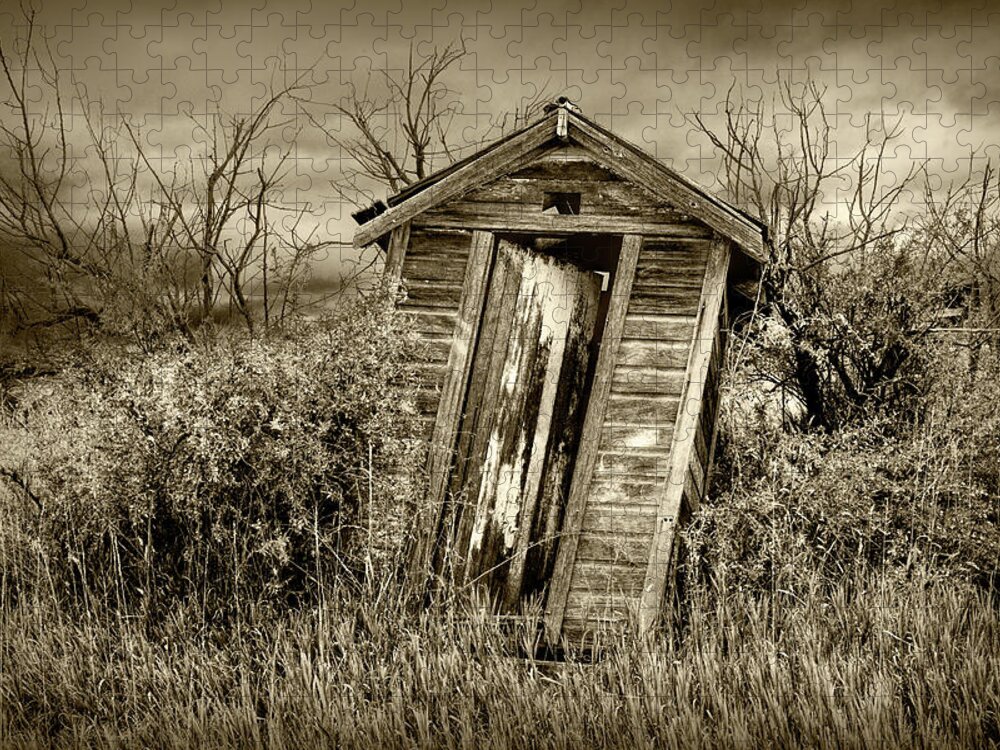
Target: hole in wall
x,y
561,203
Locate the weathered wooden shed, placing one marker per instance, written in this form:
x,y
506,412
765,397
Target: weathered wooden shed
x,y
573,296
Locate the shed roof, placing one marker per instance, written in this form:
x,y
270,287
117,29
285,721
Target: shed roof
x,y
564,125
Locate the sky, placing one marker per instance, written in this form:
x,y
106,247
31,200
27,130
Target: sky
x,y
636,67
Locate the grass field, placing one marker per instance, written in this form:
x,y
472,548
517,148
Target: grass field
x,y
872,663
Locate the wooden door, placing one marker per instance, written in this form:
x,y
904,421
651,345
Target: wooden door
x,y
521,424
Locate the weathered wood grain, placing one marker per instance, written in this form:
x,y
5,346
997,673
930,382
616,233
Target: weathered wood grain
x,y
434,294
398,242
594,578
648,380
592,425
561,405
664,301
652,352
652,410
568,163
470,217
446,424
631,465
669,511
482,405
637,437
520,428
598,197
614,547
624,519
659,327
594,611
628,162
444,267
431,321
511,155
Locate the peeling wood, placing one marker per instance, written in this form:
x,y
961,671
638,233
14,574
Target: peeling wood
x,y
519,432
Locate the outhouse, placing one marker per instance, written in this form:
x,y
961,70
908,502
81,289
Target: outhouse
x,y
572,294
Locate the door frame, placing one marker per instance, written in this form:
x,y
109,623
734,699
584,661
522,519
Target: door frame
x,y
441,451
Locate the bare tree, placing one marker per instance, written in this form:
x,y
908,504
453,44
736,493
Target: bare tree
x,y
850,335
146,251
963,220
400,124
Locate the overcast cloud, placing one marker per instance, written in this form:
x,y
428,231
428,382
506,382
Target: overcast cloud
x,y
636,68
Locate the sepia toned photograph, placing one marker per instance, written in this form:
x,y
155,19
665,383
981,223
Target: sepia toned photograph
x,y
468,374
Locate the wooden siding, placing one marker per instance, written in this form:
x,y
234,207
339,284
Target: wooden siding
x,y
563,130
683,481
631,463
633,458
432,273
608,204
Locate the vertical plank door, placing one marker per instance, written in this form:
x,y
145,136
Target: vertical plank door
x,y
521,427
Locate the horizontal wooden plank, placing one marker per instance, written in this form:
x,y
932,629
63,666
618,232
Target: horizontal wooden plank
x,y
433,293
434,267
432,348
609,495
653,353
659,327
594,577
597,197
510,154
426,400
594,630
569,163
559,224
649,380
651,410
608,547
669,252
431,374
620,437
629,161
429,320
607,519
664,301
595,606
452,242
674,263
632,465
681,277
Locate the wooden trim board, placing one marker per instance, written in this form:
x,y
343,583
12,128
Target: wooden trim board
x,y
396,254
474,173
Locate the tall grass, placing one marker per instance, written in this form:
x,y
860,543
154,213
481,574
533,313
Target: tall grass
x,y
864,665
201,550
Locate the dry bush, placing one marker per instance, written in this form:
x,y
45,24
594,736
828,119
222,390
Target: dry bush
x,y
892,494
234,473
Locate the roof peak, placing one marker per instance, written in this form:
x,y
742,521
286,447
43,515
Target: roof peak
x,y
562,102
